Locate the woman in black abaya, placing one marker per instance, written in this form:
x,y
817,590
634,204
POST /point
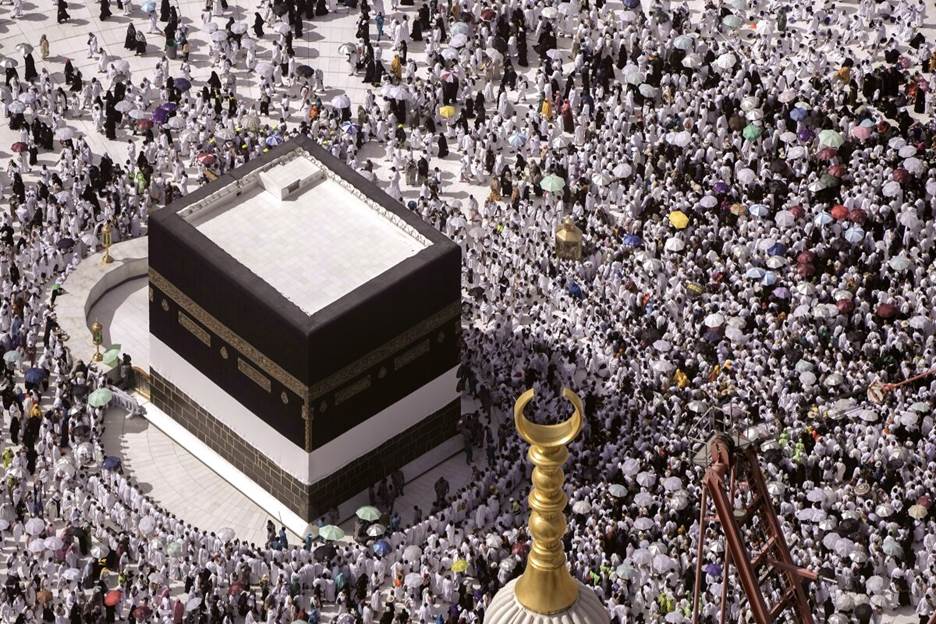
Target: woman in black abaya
x,y
63,15
164,11
258,26
29,68
130,38
105,9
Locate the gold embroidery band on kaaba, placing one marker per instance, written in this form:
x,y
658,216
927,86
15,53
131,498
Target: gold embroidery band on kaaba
x,y
267,365
449,313
388,349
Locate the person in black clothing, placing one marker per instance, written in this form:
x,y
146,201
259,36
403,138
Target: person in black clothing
x,y
62,15
258,26
105,10
164,11
130,38
29,70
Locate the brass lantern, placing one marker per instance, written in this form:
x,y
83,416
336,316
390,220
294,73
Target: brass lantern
x,y
97,337
569,240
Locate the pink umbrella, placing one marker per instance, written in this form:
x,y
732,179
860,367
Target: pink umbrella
x,y
862,133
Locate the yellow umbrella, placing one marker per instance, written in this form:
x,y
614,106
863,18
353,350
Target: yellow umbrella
x,y
678,219
447,112
459,565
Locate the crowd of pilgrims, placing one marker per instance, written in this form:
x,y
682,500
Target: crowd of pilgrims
x,y
754,187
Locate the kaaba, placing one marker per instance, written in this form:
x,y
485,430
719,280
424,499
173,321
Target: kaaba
x,y
304,326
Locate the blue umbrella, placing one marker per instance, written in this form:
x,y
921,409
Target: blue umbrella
x,y
273,140
777,249
169,107
797,114
759,210
160,116
754,273
631,4
381,548
149,7
182,84
632,240
713,569
110,463
769,279
575,290
781,293
349,128
34,375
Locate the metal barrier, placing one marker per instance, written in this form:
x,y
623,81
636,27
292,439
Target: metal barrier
x,y
141,382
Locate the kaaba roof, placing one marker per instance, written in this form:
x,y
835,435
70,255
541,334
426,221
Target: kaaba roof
x,y
308,232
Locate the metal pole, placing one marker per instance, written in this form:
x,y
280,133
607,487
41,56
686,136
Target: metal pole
x,y
703,509
724,587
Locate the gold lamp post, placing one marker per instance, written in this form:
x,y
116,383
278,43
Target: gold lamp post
x,y
106,242
546,586
569,240
97,337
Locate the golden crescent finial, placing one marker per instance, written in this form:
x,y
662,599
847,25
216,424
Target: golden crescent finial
x,y
548,435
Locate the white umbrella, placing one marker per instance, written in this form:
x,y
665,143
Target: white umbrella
x,y
663,563
226,534
662,345
746,176
632,74
581,507
642,557
913,165
726,61
714,320
891,189
907,151
412,553
341,101
674,244
875,584
54,543
412,580
788,137
816,495
147,525
784,218
494,541
622,170
264,69
671,484
99,550
376,530
643,499
643,524
708,201
830,540
630,467
617,490
35,526
692,61
458,40
71,574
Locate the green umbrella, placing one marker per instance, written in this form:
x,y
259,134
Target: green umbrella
x,y
331,533
368,513
100,397
111,355
11,357
829,180
552,183
831,138
751,132
174,548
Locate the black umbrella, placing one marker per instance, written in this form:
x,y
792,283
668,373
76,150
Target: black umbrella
x,y
500,45
326,552
304,71
281,8
65,243
848,526
81,431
